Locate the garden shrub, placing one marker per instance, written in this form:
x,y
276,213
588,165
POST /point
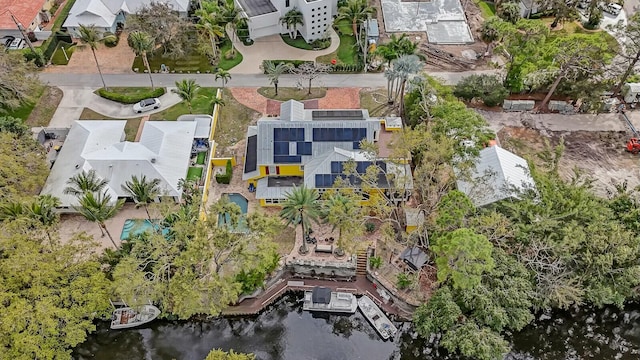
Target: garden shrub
x,y
130,99
370,227
487,88
226,177
110,39
295,63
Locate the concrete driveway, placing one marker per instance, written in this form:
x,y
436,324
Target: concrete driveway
x,y
75,99
273,48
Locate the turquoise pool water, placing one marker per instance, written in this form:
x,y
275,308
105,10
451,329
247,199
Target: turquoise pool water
x,y
133,227
241,201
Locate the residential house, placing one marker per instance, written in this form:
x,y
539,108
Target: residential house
x,y
529,7
165,151
498,175
108,15
264,16
31,14
310,147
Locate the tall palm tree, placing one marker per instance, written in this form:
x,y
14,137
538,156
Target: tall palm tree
x,y
142,191
274,71
343,213
42,209
187,89
210,26
232,17
223,75
405,66
84,182
142,44
301,207
356,12
97,208
90,36
291,20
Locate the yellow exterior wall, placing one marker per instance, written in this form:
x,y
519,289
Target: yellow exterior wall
x,y
263,171
290,170
411,228
223,161
207,179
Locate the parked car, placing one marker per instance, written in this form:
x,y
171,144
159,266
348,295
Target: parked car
x,y
613,9
17,44
146,105
7,40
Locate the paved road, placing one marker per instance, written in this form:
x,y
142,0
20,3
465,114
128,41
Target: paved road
x,y
238,80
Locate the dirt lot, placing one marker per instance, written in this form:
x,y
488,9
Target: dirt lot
x,y
598,154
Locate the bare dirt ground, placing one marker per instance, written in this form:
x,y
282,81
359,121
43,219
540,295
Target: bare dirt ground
x,y
597,154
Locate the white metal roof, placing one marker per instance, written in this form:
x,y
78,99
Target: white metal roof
x,y
163,152
102,13
498,174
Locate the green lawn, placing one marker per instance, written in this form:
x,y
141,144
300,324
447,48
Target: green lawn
x,y
190,62
45,107
488,9
129,91
347,53
201,157
201,105
225,63
130,129
194,173
25,110
58,57
288,93
298,42
375,100
574,27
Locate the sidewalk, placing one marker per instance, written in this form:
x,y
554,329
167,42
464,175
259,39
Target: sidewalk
x,y
273,48
77,98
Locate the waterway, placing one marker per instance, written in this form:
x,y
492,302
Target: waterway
x,y
285,332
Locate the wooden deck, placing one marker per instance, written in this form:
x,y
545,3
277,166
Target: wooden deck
x,y
361,286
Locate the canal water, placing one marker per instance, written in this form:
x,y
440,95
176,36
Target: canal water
x,y
285,332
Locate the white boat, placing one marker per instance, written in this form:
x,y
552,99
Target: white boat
x,y
323,299
377,318
127,317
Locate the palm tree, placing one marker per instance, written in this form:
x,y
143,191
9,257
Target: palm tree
x,y
232,17
343,212
42,209
142,44
355,11
209,26
97,208
90,36
223,75
187,89
142,191
405,66
274,71
218,101
84,182
291,20
300,207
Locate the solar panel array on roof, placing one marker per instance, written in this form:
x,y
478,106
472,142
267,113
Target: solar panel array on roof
x,y
339,134
337,115
251,161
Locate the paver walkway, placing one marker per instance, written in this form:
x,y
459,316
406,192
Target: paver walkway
x,y
273,48
336,98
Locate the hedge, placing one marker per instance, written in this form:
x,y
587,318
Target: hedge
x,y
128,99
295,63
226,177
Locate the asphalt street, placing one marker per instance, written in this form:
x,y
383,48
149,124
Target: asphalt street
x,y
238,80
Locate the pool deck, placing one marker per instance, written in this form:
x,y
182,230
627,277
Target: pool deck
x,y
361,286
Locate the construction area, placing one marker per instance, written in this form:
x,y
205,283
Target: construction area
x,y
595,145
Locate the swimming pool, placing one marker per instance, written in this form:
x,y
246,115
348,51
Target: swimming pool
x,y
133,227
241,201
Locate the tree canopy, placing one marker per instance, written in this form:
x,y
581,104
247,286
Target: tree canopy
x,y
17,81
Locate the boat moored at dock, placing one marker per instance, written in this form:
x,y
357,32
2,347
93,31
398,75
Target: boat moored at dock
x,y
323,299
376,317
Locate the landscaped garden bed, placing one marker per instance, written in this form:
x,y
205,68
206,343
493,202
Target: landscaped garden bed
x,y
289,93
130,95
202,104
347,53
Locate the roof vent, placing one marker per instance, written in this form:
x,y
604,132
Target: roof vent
x,y
153,160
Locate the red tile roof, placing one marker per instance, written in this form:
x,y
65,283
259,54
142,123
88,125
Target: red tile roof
x,y
24,11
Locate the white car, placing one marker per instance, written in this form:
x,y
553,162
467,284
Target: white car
x,y
146,105
17,44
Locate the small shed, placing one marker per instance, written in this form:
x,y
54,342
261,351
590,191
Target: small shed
x,y
414,219
631,92
414,257
373,32
321,295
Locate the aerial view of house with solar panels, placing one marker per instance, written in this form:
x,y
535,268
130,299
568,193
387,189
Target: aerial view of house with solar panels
x,y
314,148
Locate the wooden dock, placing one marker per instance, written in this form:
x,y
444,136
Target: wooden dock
x,y
361,286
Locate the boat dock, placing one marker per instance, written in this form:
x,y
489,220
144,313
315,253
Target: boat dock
x,y
325,300
361,286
